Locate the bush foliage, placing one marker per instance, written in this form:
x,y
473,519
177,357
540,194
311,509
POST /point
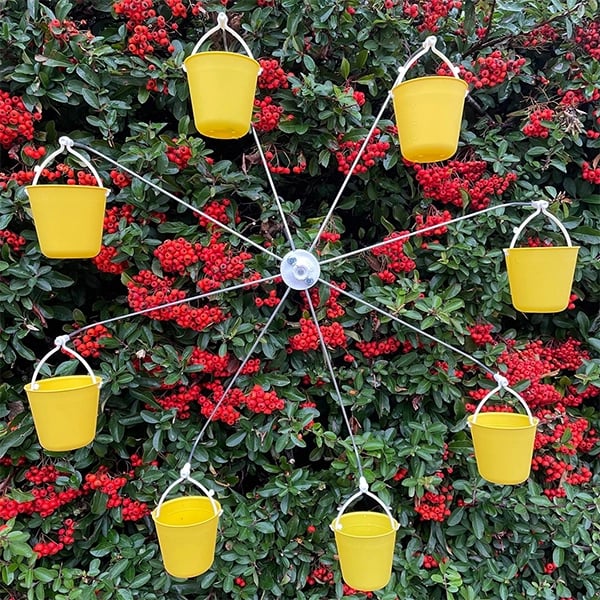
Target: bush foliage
x,y
108,74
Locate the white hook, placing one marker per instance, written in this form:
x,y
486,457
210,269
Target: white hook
x,y
426,46
66,143
541,207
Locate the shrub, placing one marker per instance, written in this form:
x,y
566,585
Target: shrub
x,y
277,450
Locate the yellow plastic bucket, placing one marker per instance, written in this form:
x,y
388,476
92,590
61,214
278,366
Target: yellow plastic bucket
x,y
428,114
187,534
503,442
540,278
365,545
65,410
222,88
68,219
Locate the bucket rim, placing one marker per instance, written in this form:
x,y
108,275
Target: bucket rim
x,y
95,381
156,516
67,186
211,53
430,77
531,423
538,248
336,524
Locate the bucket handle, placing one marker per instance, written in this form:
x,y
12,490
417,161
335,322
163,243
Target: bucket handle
x,y
221,26
184,475
60,343
502,385
363,490
540,208
66,143
428,44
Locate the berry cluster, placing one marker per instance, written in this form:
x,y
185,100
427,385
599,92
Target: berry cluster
x,y
65,30
266,114
323,575
217,209
590,173
535,127
105,261
33,152
347,151
147,290
334,309
429,562
434,507
43,474
89,343
481,334
16,122
541,36
588,38
429,12
431,225
449,184
120,179
308,338
272,75
179,154
275,163
377,348
261,401
487,71
271,300
114,215
147,31
14,241
175,256
221,263
394,258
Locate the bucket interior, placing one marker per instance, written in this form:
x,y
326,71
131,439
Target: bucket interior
x,y
364,524
184,512
502,420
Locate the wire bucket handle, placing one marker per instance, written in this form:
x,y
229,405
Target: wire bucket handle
x,y
363,491
184,475
61,344
541,207
428,44
66,144
502,385
221,26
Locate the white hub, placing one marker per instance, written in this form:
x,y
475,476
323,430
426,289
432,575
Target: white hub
x,y
300,270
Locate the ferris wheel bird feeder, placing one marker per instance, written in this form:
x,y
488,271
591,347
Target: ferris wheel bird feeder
x,y
222,87
68,219
428,110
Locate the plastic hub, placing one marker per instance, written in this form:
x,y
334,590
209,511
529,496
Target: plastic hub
x,y
300,270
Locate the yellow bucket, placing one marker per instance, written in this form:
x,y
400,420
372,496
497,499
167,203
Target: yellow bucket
x,y
65,410
540,278
222,88
503,441
187,534
428,114
365,545
68,219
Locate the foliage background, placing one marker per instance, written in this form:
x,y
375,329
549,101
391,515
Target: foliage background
x,y
532,117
